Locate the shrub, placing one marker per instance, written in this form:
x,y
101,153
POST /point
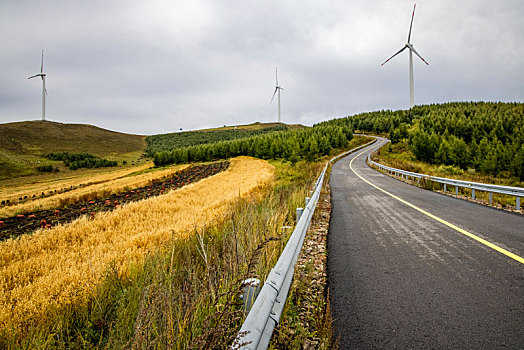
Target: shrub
x,y
45,168
81,160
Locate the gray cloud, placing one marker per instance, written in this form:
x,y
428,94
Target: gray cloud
x,y
157,66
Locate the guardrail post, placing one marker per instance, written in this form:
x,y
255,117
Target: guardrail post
x,y
517,192
251,288
307,201
299,213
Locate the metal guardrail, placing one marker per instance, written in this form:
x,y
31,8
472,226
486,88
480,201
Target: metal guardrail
x,y
508,190
265,313
268,306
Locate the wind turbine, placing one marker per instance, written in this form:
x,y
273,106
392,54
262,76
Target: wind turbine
x,y
277,88
411,50
44,91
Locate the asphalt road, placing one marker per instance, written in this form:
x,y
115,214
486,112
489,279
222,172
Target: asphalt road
x,y
400,279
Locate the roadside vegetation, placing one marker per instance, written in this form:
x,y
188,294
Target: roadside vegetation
x,y
398,156
306,319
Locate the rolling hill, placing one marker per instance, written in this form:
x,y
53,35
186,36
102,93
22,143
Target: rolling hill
x,y
171,141
254,126
23,144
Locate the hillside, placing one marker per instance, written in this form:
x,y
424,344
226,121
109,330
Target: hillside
x,y
254,126
22,144
171,141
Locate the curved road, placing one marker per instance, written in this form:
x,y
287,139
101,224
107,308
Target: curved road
x,y
400,279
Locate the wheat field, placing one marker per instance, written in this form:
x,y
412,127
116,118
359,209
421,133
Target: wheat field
x,y
64,264
97,185
13,188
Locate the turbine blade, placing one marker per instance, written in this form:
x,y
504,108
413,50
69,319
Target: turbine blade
x,y
272,97
399,51
416,53
411,25
42,63
276,75
34,76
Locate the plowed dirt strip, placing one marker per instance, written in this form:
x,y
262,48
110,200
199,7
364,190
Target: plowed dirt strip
x,y
22,224
64,264
68,191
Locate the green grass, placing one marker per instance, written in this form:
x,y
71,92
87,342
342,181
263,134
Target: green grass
x,y
23,144
16,165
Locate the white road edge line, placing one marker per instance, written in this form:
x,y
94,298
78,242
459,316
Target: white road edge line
x,y
456,228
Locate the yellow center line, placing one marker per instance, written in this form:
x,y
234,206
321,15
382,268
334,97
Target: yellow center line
x,y
464,232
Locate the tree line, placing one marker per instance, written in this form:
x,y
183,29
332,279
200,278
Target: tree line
x,y
171,141
80,160
485,136
291,145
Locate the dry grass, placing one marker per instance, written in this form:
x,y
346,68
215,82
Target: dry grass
x,y
92,186
399,156
64,264
45,182
306,320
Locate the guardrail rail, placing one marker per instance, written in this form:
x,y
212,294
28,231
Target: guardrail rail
x,y
517,192
264,315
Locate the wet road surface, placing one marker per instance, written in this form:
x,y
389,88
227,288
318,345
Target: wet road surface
x,y
400,279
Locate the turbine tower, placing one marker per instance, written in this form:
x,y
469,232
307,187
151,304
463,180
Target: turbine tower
x,y
44,91
411,51
277,88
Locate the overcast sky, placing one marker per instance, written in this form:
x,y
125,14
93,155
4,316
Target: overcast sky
x,y
156,66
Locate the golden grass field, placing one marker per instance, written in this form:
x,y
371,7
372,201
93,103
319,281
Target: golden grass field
x,y
94,184
64,264
12,189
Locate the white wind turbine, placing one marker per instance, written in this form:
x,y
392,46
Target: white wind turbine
x,y
277,88
44,91
411,50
